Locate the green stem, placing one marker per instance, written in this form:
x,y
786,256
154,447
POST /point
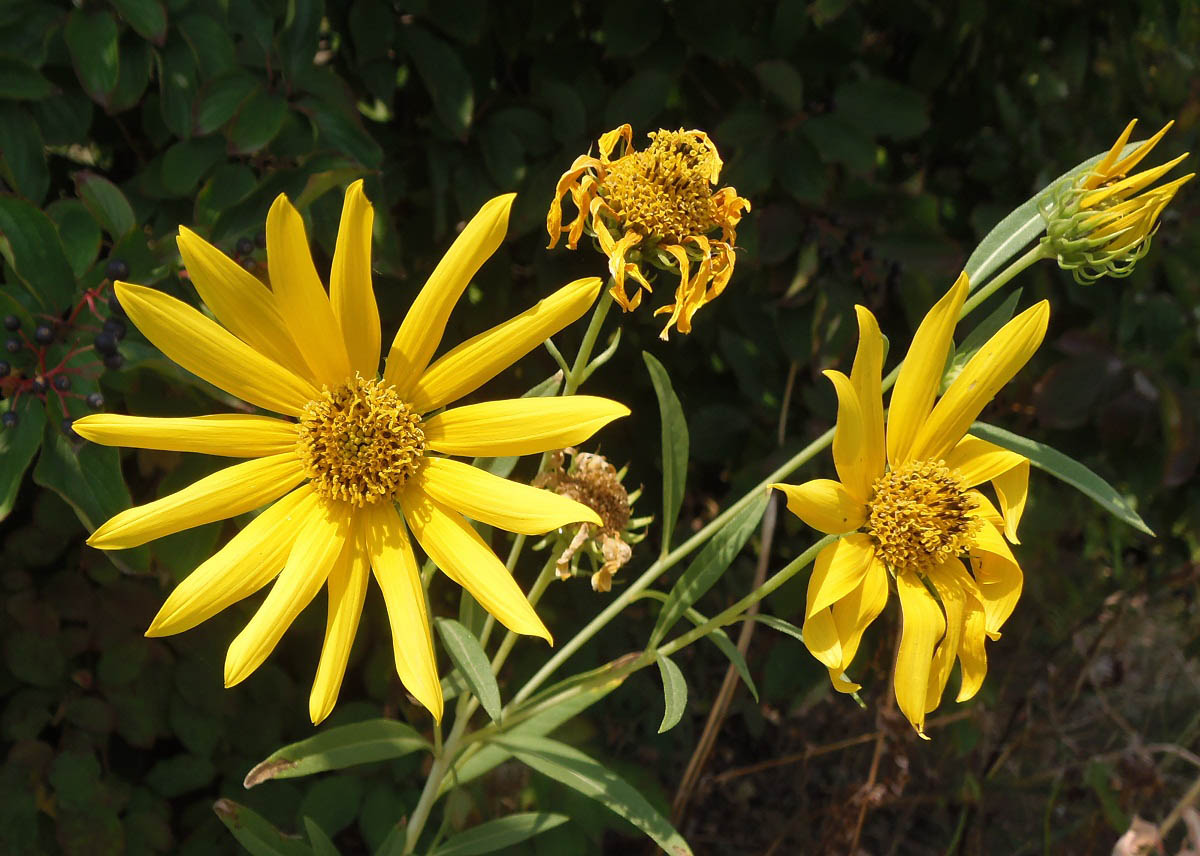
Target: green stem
x,y
1036,253
575,377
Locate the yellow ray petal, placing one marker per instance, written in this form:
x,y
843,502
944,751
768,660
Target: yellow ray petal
x,y
971,653
839,570
978,460
396,572
824,505
993,365
953,599
1012,488
350,291
519,426
1137,155
499,502
921,374
984,509
300,296
1129,186
321,529
854,613
347,590
230,434
250,560
849,440
821,638
226,493
463,556
208,350
481,358
422,328
1101,171
240,302
922,628
998,575
866,375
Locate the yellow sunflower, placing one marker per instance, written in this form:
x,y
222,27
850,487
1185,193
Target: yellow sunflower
x,y
909,509
656,206
1100,224
351,444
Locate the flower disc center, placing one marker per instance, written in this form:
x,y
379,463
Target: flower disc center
x,y
665,190
360,442
920,516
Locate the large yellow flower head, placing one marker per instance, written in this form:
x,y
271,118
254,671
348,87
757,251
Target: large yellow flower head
x,y
1100,223
351,446
910,512
656,206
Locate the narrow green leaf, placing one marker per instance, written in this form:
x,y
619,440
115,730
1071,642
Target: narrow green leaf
x,y
444,76
780,625
106,202
472,663
718,554
344,746
21,81
574,769
721,639
674,446
674,693
18,445
257,834
1021,226
318,840
978,337
92,42
36,253
1066,469
147,17
497,834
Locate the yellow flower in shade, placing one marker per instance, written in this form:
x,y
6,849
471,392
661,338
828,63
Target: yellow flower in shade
x,y
654,206
910,512
351,445
1100,223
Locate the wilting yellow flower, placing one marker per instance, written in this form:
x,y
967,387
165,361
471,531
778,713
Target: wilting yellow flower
x,y
1100,223
352,444
908,509
657,206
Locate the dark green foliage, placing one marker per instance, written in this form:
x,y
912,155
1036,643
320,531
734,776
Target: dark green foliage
x,y
877,142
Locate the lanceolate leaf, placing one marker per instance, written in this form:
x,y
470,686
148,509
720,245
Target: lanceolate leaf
x,y
674,446
718,554
318,840
257,834
674,693
780,625
497,834
1025,223
344,746
576,770
1067,469
472,663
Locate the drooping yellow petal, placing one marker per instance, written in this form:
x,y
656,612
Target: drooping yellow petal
x,y
821,638
226,493
237,298
978,460
396,572
208,350
922,628
347,590
463,556
481,358
825,505
499,502
998,575
984,509
953,599
301,297
233,435
971,654
1012,488
422,328
519,426
867,378
854,613
250,560
993,365
849,440
921,374
840,569
321,530
350,290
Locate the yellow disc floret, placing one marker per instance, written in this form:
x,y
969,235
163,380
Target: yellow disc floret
x,y
665,190
360,442
920,516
